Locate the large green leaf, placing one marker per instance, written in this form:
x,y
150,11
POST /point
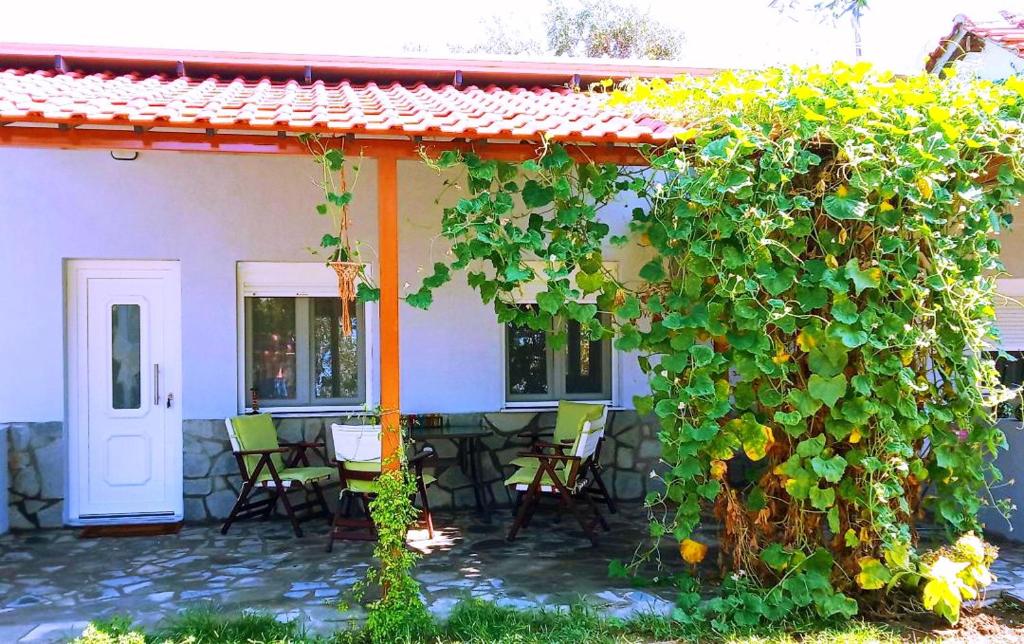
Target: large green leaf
x,y
827,390
822,498
867,278
830,469
848,206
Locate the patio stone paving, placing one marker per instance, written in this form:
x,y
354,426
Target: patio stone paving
x,y
52,583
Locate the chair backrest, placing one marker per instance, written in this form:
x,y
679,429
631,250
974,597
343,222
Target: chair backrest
x,y
250,432
586,446
599,423
572,415
356,443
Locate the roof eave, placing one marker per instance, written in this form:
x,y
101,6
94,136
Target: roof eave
x,y
471,70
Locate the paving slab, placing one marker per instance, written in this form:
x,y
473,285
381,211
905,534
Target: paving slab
x,y
53,582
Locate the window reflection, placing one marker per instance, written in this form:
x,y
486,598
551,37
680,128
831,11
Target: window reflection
x,y
583,373
335,357
126,356
527,361
273,347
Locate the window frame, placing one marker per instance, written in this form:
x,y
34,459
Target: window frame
x,y
557,368
300,280
528,295
1009,291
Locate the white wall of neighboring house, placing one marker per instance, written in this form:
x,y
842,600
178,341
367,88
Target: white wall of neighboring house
x,y
991,63
211,211
995,63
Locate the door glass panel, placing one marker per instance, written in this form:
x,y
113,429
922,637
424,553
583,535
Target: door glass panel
x,y
527,361
335,357
126,352
273,347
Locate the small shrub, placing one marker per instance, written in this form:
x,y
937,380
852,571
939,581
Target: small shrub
x,y
116,630
209,626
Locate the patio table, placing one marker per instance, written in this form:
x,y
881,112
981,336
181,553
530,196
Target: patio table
x,y
468,447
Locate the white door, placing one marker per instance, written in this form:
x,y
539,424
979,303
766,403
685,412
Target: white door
x,y
124,391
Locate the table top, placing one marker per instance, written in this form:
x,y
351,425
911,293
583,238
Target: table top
x,y
453,432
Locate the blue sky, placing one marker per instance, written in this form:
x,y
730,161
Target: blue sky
x,y
719,33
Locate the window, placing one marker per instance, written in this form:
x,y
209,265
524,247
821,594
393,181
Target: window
x,y
294,354
1010,320
535,372
1011,374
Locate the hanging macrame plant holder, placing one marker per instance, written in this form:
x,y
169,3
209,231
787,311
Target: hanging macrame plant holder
x,y
348,273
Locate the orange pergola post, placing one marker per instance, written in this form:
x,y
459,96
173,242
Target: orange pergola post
x,y
387,231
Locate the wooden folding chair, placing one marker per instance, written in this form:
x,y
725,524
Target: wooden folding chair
x,y
561,470
261,462
567,423
357,451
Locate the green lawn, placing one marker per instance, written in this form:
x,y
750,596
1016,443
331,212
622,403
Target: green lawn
x,y
479,623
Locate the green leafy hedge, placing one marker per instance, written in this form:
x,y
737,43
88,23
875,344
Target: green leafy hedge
x,y
813,316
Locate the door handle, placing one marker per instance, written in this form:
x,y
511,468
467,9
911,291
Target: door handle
x,y
156,384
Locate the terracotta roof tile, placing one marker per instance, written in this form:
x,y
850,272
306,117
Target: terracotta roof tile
x,y
337,107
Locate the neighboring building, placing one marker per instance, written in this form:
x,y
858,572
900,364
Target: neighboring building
x,y
990,49
993,49
155,213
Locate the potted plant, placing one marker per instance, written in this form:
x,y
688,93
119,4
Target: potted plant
x,y
342,257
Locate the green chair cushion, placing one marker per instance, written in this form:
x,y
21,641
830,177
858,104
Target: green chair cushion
x,y
257,432
525,476
303,475
360,487
570,419
370,487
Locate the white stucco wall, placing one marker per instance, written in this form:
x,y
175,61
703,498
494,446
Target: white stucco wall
x,y
211,211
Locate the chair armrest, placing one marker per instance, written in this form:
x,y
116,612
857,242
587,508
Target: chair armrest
x,y
254,452
422,455
302,444
564,445
534,434
550,457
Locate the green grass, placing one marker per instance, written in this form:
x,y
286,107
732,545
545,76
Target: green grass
x,y
478,622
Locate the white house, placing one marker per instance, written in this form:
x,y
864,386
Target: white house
x,y
156,211
993,49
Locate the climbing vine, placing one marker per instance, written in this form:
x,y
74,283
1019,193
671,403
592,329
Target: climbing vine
x,y
815,315
399,614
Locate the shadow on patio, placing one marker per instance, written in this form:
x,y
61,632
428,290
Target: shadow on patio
x,y
52,582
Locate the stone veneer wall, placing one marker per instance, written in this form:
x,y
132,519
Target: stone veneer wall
x,y
211,482
36,462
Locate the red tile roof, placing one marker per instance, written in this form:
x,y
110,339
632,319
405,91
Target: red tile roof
x,y
969,36
390,99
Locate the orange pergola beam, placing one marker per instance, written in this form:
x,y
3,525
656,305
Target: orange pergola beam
x,y
390,376
225,142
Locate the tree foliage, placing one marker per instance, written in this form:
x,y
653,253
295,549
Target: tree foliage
x,y
608,29
582,28
813,318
